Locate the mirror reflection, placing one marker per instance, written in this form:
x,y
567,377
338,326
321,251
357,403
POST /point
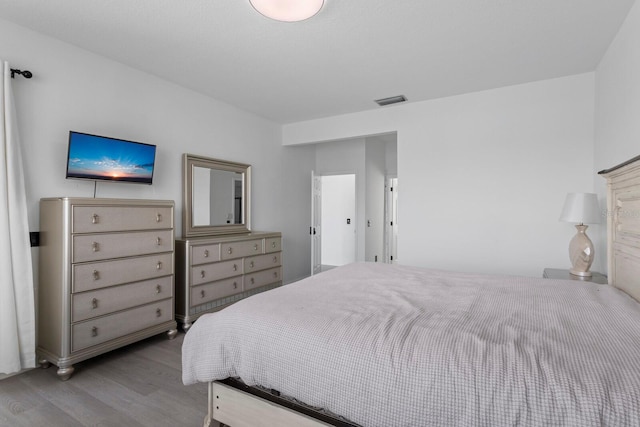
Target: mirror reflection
x,y
217,197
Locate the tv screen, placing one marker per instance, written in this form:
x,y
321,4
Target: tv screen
x,y
109,159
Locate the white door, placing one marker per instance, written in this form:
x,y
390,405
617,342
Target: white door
x,y
315,229
338,221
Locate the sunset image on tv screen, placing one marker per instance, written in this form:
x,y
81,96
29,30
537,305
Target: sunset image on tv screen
x,y
95,157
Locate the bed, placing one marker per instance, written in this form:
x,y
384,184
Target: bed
x,y
387,345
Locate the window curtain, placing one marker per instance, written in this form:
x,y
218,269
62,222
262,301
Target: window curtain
x,y
17,304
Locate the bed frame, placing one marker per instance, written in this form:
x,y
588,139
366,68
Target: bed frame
x,y
232,403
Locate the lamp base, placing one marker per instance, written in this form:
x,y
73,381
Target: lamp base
x,y
581,252
580,273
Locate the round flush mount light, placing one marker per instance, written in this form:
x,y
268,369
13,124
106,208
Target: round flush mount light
x,y
287,10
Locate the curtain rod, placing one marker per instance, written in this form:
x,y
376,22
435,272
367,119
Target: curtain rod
x,y
26,73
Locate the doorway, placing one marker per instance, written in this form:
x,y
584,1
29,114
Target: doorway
x,y
334,233
371,159
237,201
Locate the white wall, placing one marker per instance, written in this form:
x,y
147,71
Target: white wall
x,y
483,175
222,184
295,211
374,200
347,157
391,159
201,209
617,124
75,89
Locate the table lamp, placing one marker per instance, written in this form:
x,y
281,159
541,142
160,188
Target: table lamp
x,y
581,208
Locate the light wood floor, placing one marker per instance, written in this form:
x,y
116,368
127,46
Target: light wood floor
x,y
137,385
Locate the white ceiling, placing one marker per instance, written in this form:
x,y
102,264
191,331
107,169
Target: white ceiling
x,y
352,52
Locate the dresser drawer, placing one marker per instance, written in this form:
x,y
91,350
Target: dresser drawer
x,y
205,253
220,270
90,219
260,262
272,244
96,275
262,278
86,305
94,247
231,250
102,329
212,291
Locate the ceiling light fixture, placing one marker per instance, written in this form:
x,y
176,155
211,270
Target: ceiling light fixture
x,y
287,10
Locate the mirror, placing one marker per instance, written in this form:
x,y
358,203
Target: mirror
x,y
217,196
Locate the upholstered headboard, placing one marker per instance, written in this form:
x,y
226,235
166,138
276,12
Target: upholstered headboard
x,y
623,226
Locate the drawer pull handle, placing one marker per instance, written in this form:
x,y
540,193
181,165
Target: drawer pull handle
x,y
206,253
159,265
253,281
95,246
201,294
251,264
158,313
95,219
235,267
202,274
158,289
158,217
275,274
158,241
255,247
96,275
94,303
273,244
275,259
94,331
229,251
235,285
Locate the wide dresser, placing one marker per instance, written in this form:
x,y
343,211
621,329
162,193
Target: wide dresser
x,y
106,276
215,271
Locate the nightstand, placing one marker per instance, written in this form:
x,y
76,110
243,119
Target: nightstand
x,y
563,274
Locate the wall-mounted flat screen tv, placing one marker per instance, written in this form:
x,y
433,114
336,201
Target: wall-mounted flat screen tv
x,y
109,159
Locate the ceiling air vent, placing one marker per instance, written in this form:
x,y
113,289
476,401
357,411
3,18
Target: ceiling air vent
x,y
391,100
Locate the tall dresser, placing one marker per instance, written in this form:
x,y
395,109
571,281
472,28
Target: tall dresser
x,y
106,276
213,272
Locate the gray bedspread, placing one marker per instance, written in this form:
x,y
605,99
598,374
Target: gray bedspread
x,y
387,345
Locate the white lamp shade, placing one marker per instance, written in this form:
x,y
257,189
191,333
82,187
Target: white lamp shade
x,y
287,10
581,208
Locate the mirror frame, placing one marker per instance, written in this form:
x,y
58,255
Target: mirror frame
x,y
188,228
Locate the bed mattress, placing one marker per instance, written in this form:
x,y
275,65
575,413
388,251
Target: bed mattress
x,y
387,345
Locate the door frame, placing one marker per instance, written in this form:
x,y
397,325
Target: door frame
x,y
390,218
316,222
316,232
